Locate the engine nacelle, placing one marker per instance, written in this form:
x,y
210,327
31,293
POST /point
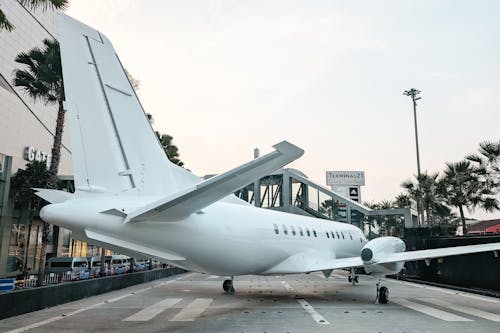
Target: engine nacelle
x,y
379,248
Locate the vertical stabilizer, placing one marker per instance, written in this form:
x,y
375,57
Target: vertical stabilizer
x,y
114,149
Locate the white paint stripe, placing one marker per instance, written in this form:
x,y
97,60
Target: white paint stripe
x,y
449,291
439,314
193,310
314,314
152,311
463,309
50,320
287,286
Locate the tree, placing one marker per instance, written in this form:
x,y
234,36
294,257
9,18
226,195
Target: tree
x,y
487,164
5,24
424,191
43,81
35,175
165,140
169,148
461,187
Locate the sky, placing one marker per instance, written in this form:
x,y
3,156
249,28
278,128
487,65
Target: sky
x,y
223,77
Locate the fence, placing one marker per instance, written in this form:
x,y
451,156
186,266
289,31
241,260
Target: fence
x,y
32,299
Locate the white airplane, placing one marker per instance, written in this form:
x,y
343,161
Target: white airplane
x,y
129,197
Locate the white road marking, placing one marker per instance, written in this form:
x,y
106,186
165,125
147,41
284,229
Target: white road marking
x,y
430,311
69,314
449,291
463,309
314,314
287,286
152,311
193,310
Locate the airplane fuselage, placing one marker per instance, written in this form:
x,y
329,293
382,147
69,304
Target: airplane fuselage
x,y
223,239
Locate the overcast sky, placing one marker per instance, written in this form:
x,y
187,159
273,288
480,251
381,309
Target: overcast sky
x,y
223,77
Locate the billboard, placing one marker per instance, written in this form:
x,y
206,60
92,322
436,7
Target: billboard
x,y
335,178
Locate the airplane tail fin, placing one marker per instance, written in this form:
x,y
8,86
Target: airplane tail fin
x,y
114,149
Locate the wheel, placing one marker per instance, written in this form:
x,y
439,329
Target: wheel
x,y
349,278
356,279
383,295
227,285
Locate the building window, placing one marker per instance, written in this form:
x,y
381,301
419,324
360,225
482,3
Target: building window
x,y
276,229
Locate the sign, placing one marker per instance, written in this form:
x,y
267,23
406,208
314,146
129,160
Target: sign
x,y
345,178
353,192
7,284
34,154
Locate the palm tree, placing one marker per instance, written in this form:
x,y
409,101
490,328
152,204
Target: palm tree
x,y
487,163
424,192
35,175
5,24
43,80
461,187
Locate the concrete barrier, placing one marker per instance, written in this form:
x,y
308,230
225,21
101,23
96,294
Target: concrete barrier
x,y
23,301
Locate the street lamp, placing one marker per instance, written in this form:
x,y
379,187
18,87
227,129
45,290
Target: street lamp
x,y
413,94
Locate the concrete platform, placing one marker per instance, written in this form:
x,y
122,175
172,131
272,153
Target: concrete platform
x,y
300,303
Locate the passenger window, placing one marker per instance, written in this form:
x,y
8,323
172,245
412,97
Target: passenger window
x,y
301,231
338,236
327,235
314,232
293,229
333,235
340,233
285,231
361,239
350,235
308,233
276,229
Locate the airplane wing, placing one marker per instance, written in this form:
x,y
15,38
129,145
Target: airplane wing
x,y
193,200
147,251
405,256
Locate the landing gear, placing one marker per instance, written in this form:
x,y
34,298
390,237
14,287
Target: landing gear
x,y
382,294
228,287
353,278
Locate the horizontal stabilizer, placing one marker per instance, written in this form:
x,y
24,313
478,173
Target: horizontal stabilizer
x,y
206,193
53,196
132,246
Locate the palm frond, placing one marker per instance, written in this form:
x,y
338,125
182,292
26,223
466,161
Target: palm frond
x,y
5,23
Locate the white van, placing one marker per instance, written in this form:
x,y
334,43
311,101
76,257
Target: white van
x,y
74,266
118,264
94,265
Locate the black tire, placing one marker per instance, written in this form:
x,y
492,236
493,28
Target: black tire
x,y
383,295
356,279
227,285
349,278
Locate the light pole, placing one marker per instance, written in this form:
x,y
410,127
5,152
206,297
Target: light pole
x,y
413,94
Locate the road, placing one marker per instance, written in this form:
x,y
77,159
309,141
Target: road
x,y
195,302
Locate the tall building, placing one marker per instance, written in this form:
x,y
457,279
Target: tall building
x,y
26,132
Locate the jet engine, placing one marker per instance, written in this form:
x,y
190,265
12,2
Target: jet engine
x,y
379,248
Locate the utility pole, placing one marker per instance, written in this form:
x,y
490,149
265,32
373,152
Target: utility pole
x,y
413,93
